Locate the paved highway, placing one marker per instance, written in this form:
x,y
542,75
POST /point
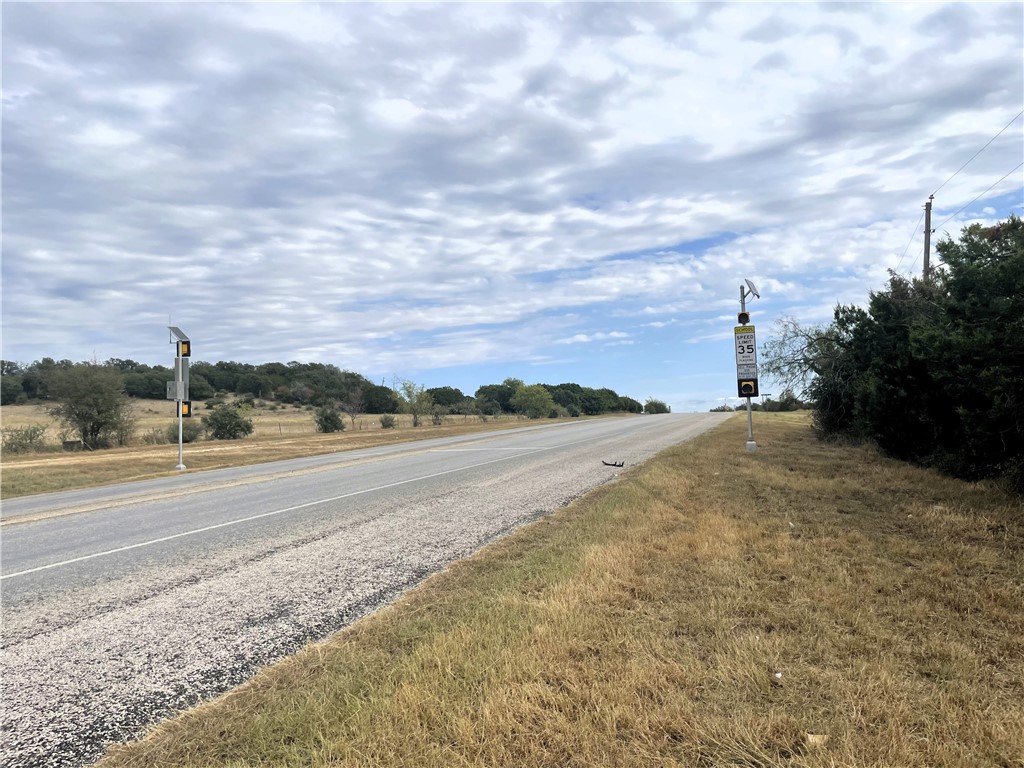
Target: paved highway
x,y
126,603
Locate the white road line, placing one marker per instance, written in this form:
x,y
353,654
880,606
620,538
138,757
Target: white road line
x,y
484,450
264,514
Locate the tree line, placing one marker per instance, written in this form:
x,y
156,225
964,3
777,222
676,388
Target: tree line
x,y
932,369
787,401
94,399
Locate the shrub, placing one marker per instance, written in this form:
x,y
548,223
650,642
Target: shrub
x,y
328,419
22,439
226,423
387,421
190,431
654,405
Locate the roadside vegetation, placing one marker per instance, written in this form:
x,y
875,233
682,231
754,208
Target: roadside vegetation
x,y
931,370
813,604
114,416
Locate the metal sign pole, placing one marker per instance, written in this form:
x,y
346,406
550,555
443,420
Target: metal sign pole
x,y
746,359
181,458
178,386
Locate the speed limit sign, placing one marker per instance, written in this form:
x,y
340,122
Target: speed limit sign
x,y
746,360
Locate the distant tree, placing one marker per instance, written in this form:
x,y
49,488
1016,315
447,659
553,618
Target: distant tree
x,y
438,413
198,387
35,377
591,403
466,407
629,405
569,396
446,397
91,401
10,368
10,389
499,393
787,401
723,408
609,399
252,384
416,400
380,399
533,401
352,404
151,383
125,366
653,405
226,422
486,406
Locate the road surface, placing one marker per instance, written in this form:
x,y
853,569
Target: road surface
x,y
122,605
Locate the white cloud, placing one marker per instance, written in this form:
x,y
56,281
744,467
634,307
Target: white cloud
x,y
488,183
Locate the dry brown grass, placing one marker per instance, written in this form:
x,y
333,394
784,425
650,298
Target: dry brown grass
x,y
810,605
286,433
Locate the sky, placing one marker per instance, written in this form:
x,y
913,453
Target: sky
x,y
454,194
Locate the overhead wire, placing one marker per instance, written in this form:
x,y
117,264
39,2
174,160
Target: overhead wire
x,y
913,236
1019,165
978,153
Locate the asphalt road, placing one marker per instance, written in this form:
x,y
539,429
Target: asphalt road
x,y
124,604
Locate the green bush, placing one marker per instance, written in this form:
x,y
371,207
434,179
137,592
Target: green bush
x,y
328,419
387,421
190,431
226,423
653,405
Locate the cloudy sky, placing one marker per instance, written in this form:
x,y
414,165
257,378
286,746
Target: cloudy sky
x,y
455,194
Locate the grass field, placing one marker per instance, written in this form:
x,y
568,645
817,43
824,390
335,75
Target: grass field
x,y
284,433
808,605
285,421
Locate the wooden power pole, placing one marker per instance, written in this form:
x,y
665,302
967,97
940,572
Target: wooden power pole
x,y
927,236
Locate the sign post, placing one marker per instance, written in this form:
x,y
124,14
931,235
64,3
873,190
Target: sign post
x,y
746,374
177,390
745,338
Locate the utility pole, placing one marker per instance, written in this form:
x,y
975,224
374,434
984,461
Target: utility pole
x,y
927,236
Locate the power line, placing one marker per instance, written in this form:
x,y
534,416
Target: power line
x,y
913,236
1019,165
979,152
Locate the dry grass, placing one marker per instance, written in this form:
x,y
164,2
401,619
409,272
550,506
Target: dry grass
x,y
811,605
286,433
